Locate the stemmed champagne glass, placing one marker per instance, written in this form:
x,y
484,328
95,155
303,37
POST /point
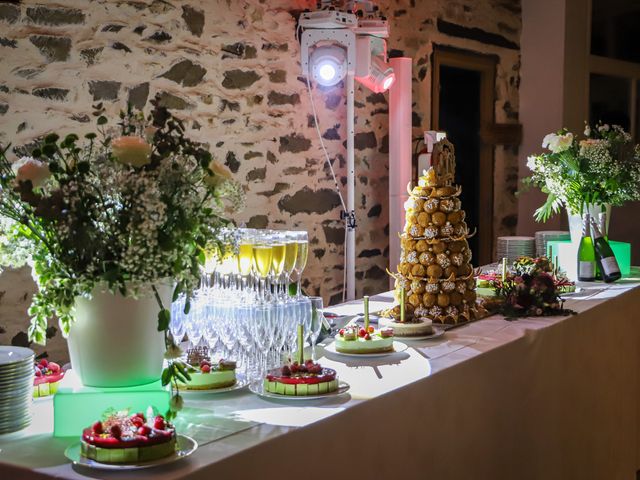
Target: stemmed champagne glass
x,y
290,256
262,260
302,241
245,257
278,249
317,316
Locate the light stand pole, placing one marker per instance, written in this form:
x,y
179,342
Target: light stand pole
x,y
350,221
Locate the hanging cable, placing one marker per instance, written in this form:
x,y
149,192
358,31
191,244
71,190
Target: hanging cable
x,y
336,185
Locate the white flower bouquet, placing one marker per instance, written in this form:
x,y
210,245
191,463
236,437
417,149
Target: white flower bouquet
x,y
126,209
603,168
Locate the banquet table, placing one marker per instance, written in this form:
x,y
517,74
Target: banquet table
x,y
537,398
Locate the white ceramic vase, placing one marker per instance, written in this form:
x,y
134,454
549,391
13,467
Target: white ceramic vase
x,y
114,341
575,221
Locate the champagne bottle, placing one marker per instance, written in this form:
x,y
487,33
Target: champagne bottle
x,y
602,220
586,254
605,258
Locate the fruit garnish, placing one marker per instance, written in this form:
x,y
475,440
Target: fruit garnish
x,y
44,362
342,332
115,431
303,368
286,371
159,423
137,421
367,337
294,367
371,329
350,335
386,332
205,368
144,430
38,372
227,365
315,368
54,367
97,428
362,332
203,363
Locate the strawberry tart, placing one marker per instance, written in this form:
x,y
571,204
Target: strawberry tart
x,y
124,438
356,340
47,378
304,379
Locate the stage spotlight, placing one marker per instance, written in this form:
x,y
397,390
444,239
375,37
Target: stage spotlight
x,y
380,76
328,65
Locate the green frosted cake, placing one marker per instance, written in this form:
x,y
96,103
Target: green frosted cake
x,y
301,380
356,340
206,375
128,439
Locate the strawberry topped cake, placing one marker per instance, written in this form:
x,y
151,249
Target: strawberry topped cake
x,y
301,379
207,375
357,340
47,378
124,438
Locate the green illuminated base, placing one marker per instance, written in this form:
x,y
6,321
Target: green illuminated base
x,y
567,256
76,407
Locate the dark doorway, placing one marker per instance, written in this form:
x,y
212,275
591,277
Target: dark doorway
x,y
460,118
462,105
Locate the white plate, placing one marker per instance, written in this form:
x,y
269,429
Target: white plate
x,y
258,389
185,447
397,348
241,382
438,331
11,355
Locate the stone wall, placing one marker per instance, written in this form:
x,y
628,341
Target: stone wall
x,y
231,69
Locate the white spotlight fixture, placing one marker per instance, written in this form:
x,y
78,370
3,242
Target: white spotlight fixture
x,y
328,65
380,76
345,44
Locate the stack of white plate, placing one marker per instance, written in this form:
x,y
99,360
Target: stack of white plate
x,y
16,388
514,247
543,238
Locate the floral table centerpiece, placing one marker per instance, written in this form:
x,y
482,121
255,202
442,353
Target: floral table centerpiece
x,y
531,289
585,175
114,225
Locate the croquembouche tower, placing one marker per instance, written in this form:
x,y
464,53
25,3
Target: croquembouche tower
x,y
435,273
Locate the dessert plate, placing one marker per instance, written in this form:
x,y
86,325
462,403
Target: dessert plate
x,y
438,331
241,382
185,446
15,355
397,348
258,389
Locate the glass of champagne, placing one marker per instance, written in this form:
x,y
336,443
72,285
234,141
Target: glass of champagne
x,y
245,257
290,256
278,248
302,241
262,260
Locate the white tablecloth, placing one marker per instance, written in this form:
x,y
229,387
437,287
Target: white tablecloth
x,y
544,398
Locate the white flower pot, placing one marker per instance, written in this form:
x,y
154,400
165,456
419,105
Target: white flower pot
x,y
575,221
114,341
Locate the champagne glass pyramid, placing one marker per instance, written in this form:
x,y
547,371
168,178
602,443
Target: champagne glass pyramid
x,y
435,272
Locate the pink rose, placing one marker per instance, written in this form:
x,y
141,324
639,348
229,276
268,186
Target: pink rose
x,y
131,150
28,168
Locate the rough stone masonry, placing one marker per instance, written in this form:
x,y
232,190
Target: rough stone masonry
x,y
231,69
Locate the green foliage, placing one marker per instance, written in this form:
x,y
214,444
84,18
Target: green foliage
x,y
604,168
86,211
